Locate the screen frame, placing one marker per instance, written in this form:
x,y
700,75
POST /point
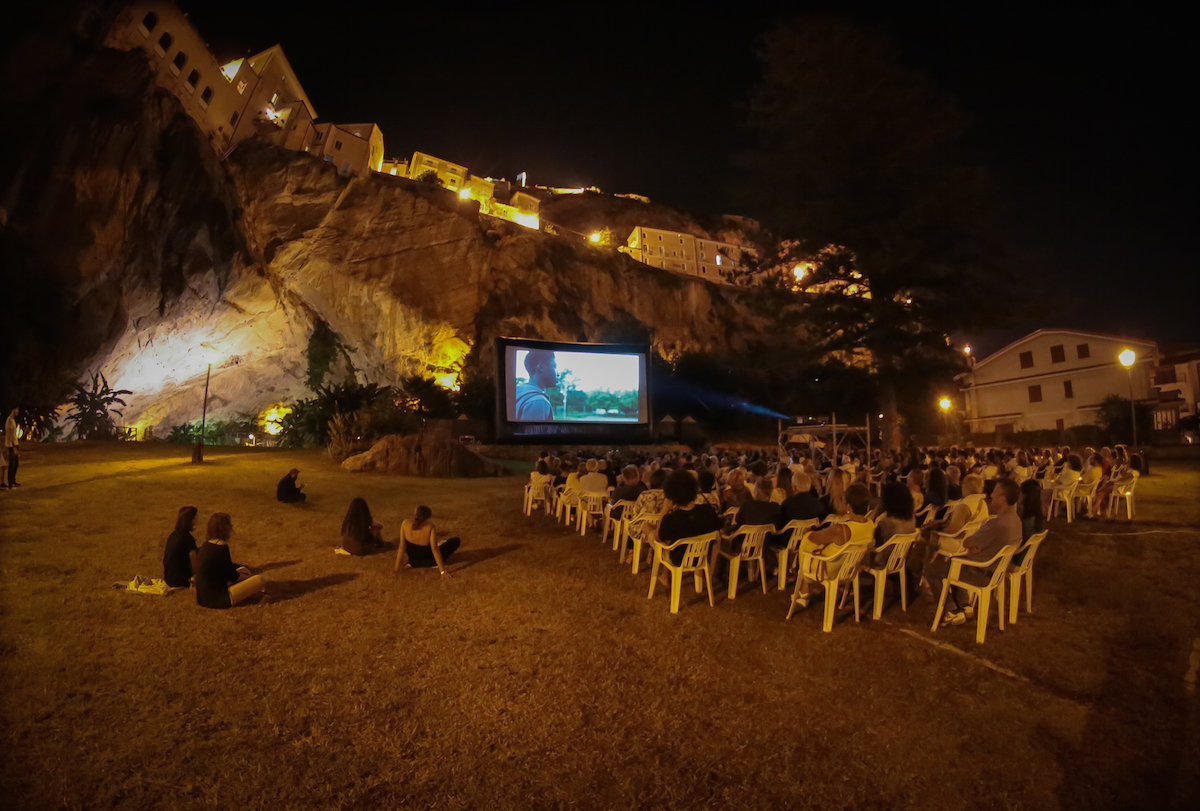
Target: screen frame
x,y
550,433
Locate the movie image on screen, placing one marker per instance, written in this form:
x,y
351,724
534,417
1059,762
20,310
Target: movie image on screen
x,y
557,385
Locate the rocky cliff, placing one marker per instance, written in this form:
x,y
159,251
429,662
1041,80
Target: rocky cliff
x,y
154,258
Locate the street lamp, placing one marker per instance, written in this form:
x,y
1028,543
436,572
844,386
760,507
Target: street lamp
x,y
944,404
1127,358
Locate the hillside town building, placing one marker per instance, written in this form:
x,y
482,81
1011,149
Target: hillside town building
x,y
1177,379
352,148
686,253
1055,379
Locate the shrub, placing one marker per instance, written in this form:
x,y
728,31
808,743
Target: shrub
x,y
92,409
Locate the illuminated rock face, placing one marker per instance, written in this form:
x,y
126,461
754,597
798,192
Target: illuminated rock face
x,y
177,259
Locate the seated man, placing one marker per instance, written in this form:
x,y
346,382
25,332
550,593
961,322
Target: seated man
x,y
802,505
1003,529
288,491
628,490
593,481
760,509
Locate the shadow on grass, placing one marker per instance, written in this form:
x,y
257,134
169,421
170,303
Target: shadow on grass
x,y
470,557
280,590
279,564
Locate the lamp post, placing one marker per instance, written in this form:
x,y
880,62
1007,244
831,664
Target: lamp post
x,y
1127,358
944,404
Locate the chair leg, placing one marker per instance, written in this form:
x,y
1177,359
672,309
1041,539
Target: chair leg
x,y
762,573
830,604
734,565
653,577
781,562
856,613
708,583
1000,603
981,610
1029,590
1014,597
637,553
937,615
903,588
676,587
880,585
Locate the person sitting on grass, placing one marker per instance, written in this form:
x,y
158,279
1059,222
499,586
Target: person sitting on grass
x,y
418,544
1001,530
288,491
685,518
177,556
857,529
361,534
221,583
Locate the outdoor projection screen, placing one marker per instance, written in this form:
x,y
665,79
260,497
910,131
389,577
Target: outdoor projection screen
x,y
579,392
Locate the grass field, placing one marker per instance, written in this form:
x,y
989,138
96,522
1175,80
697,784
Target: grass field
x,y
540,676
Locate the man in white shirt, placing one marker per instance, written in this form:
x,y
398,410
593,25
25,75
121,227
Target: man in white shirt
x,y
10,448
593,481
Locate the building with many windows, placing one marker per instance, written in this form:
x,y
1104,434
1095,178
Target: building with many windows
x,y
257,96
686,253
1054,379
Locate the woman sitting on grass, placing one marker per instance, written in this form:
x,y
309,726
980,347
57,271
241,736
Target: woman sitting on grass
x,y
221,583
419,546
361,534
177,557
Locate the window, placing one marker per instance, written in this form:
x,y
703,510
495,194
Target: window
x,y
337,144
193,79
1083,351
1060,424
660,237
1058,354
1026,360
346,168
1165,376
1165,419
1035,393
393,171
178,62
241,88
148,23
164,43
1068,390
274,99
233,119
206,96
320,135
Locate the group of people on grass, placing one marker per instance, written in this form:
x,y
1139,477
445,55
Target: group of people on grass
x,y
209,569
1000,494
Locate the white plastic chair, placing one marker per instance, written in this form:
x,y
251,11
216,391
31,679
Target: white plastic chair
x,y
1064,495
983,593
788,556
951,543
591,507
537,496
816,567
1023,570
695,560
639,530
615,523
754,538
1085,493
897,548
925,513
1122,490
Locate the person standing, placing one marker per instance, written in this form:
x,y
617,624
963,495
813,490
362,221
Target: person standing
x,y
10,447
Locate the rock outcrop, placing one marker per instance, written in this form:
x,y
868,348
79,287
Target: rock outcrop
x,y
430,454
169,258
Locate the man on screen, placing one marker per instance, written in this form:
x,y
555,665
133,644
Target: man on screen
x,y
532,403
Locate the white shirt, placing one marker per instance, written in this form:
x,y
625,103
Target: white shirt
x,y
10,432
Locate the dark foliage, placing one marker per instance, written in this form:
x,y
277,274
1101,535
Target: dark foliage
x,y
92,409
1114,419
322,352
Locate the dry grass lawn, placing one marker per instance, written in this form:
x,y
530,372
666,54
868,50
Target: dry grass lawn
x,y
540,676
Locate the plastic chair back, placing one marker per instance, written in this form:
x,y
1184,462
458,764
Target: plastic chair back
x,y
899,551
796,530
696,556
1005,558
850,558
1030,548
753,538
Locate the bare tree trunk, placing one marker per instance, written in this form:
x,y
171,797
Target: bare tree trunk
x,y
893,440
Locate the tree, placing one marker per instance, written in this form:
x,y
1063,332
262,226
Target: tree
x,y
92,409
855,156
431,177
1113,419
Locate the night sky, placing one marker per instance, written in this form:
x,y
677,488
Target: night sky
x,y
1080,117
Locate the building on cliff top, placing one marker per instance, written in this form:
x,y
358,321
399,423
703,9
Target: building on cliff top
x,y
521,208
353,148
257,96
685,253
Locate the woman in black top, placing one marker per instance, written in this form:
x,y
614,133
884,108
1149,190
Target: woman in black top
x,y
686,518
221,583
177,561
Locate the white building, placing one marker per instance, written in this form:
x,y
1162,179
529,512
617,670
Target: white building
x,y
684,253
1178,382
1054,379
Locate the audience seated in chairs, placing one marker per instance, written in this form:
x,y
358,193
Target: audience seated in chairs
x,y
831,539
803,504
685,518
898,517
1003,529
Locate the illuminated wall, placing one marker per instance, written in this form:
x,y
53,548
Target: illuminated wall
x,y
684,253
352,148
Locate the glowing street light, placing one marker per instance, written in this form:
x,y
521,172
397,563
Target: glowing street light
x,y
944,404
1127,357
595,238
464,194
966,350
